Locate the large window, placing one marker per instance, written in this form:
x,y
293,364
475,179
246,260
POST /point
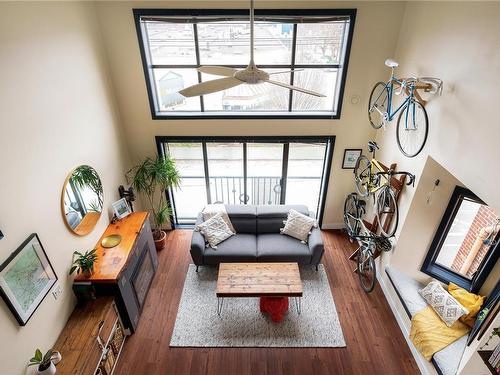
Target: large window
x,y
247,170
314,44
465,247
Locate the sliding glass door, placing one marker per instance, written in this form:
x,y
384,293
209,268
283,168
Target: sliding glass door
x,y
248,170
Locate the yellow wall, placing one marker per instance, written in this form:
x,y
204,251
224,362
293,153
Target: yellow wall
x,y
375,35
56,111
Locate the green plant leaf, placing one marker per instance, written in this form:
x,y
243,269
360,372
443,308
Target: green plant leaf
x,y
38,355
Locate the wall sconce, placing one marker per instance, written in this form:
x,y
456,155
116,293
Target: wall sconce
x,y
431,193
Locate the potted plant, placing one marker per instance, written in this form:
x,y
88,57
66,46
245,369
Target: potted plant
x,y
84,263
152,178
44,362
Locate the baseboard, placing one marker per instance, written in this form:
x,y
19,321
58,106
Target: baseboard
x,y
333,226
424,366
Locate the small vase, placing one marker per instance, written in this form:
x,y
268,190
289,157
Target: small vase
x,y
51,370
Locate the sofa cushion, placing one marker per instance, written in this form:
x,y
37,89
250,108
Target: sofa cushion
x,y
273,247
280,210
238,248
243,218
270,218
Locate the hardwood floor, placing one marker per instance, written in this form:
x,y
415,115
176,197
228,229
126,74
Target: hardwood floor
x,y
375,344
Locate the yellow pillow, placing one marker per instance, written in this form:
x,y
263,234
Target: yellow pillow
x,y
470,301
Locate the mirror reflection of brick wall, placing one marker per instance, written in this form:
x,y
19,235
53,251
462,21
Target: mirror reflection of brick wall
x,y
473,249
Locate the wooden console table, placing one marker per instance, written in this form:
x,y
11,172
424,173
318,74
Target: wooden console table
x,y
110,301
124,271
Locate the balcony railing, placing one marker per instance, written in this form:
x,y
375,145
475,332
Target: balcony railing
x,y
260,189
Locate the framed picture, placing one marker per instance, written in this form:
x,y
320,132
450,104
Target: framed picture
x,y
486,315
351,155
121,208
26,277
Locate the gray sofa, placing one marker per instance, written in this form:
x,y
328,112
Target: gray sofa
x,y
258,239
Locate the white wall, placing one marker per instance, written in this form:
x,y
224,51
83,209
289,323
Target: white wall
x,y
458,42
375,34
56,111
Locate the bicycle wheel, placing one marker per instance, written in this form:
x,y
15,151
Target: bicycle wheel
x,y
366,269
351,215
412,129
377,105
362,172
386,210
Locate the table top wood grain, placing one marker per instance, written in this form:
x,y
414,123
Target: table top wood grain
x,y
111,262
259,280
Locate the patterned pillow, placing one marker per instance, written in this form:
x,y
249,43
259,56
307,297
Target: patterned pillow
x,y
298,226
443,303
215,230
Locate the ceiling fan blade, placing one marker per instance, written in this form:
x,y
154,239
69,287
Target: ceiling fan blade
x,y
296,88
217,70
209,87
285,71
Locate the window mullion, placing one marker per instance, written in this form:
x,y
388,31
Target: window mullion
x,y
292,74
197,53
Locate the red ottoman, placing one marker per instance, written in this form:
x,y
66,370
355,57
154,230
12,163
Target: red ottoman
x,y
275,306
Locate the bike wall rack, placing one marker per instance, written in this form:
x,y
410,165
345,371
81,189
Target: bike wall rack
x,y
430,85
397,184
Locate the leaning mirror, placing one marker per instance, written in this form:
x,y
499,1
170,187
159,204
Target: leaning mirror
x,y
82,200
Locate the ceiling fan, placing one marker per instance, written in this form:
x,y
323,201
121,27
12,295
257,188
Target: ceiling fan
x,y
233,77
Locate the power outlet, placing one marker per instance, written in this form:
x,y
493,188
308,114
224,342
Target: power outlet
x,y
57,291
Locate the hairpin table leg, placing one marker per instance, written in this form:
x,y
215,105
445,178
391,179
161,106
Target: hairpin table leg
x,y
298,304
220,303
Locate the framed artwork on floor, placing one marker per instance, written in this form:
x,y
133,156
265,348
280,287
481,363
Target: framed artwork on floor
x,y
351,155
26,277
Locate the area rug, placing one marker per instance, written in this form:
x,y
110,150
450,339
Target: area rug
x,y
241,323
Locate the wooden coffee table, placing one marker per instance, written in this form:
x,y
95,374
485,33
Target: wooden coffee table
x,y
272,282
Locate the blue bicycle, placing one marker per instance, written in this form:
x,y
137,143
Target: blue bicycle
x,y
413,124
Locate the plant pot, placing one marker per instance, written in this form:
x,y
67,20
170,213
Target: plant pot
x,y
88,273
51,370
161,242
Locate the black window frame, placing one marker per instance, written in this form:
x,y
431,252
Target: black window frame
x,y
148,68
328,139
444,274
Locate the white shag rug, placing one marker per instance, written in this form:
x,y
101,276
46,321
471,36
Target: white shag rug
x,y
241,323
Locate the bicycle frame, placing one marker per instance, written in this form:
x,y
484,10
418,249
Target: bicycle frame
x,y
410,99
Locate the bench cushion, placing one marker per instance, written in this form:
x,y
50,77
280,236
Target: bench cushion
x,y
273,247
446,360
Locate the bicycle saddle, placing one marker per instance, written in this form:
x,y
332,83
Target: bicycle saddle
x,y
391,63
372,146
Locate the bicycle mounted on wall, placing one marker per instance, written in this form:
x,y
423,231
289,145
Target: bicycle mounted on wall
x,y
413,123
373,179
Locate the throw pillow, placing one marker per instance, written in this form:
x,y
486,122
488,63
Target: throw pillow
x,y
215,230
211,210
443,303
298,226
470,301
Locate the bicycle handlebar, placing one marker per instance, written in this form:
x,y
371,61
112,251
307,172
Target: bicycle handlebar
x,y
391,173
